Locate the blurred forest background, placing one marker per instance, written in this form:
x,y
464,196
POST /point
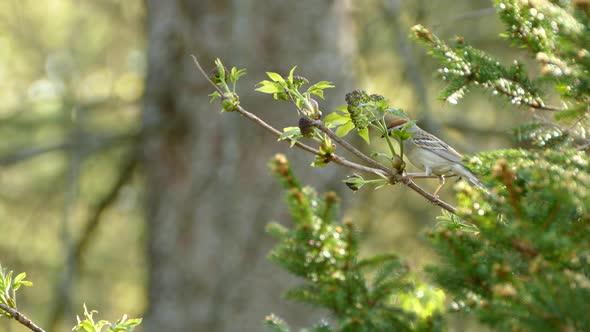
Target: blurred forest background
x,y
122,187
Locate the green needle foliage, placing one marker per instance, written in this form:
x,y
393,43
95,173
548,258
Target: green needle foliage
x,y
519,261
555,33
360,294
522,262
464,66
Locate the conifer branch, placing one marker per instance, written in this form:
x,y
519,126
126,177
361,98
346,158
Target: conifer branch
x,y
20,318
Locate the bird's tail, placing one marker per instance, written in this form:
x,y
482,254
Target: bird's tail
x,y
465,172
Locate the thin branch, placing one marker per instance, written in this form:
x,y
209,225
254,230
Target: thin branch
x,y
407,180
321,126
433,199
377,168
334,157
205,74
20,318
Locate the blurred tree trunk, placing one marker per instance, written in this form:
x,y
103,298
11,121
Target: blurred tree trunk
x,y
209,194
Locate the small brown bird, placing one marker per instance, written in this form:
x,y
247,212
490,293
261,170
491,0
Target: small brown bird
x,y
435,157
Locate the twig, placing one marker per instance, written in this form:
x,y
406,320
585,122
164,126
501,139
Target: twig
x,y
21,318
407,180
377,168
334,157
205,74
337,159
320,125
433,199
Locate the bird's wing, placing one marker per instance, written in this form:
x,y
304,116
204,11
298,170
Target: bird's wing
x,y
440,148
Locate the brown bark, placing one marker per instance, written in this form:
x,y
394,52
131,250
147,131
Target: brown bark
x,y
209,191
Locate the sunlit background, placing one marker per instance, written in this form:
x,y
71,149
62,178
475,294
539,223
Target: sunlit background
x,y
71,81
73,189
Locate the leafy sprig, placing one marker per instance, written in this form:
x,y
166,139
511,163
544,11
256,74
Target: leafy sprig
x,y
87,323
9,286
289,89
220,77
8,309
363,109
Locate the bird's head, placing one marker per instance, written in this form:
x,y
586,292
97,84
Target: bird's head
x,y
398,124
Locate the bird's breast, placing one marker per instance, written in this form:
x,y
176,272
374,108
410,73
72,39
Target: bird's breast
x,y
421,158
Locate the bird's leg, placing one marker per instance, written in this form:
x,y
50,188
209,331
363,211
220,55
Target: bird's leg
x,y
441,180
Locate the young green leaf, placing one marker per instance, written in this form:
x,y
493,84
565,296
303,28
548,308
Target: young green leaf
x,y
269,87
220,70
402,133
364,134
345,129
214,95
336,119
276,77
318,88
354,182
290,78
319,161
408,125
235,74
396,112
291,133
